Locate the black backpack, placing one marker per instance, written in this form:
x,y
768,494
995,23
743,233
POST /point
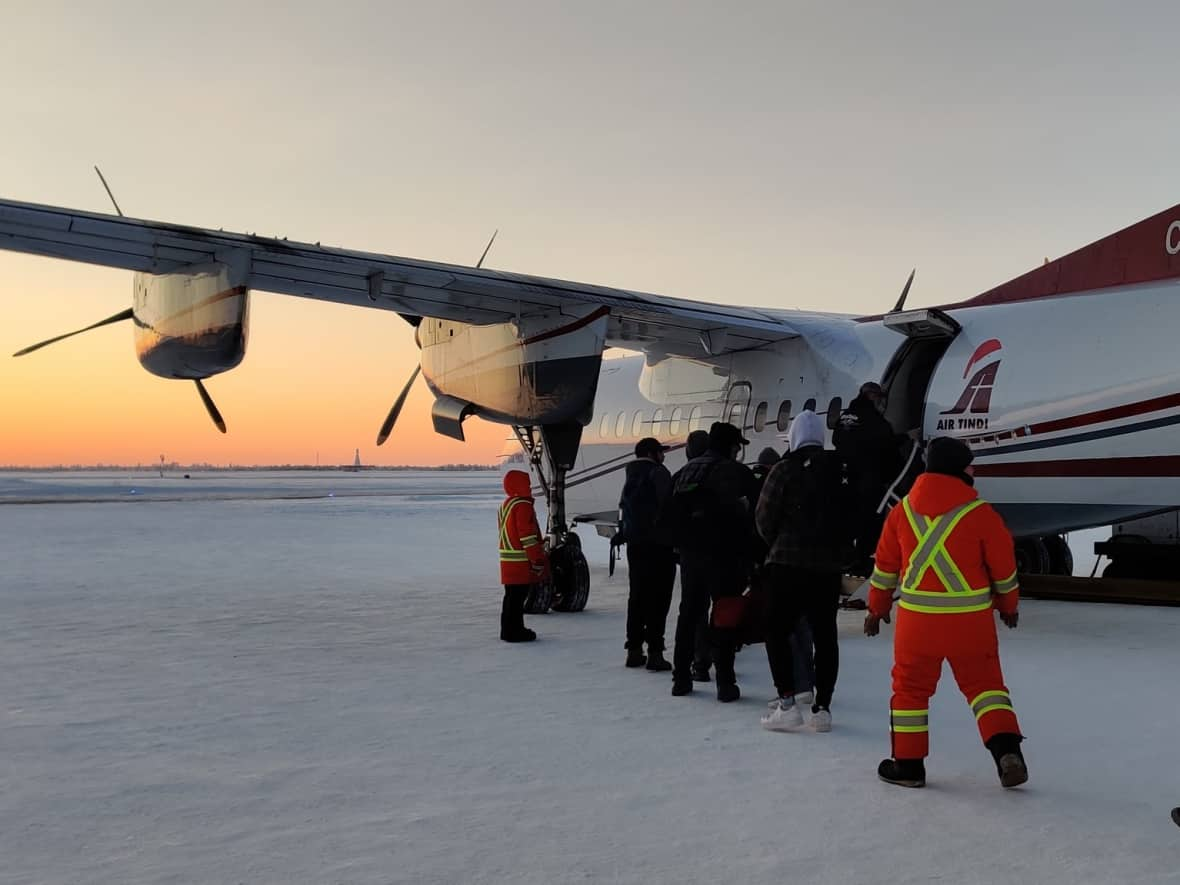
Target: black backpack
x,y
819,508
697,517
638,509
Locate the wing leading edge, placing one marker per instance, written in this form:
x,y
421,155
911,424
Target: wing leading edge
x,y
410,286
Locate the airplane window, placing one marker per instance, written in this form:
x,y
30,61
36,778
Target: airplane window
x,y
784,416
696,419
604,427
760,417
657,419
637,425
620,424
674,421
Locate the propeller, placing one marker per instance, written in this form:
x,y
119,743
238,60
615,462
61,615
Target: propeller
x,y
117,318
209,405
127,314
391,418
904,292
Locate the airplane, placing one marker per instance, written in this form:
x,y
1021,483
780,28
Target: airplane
x,y
1063,380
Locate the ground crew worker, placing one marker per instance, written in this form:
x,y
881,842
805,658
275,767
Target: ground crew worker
x,y
523,561
952,558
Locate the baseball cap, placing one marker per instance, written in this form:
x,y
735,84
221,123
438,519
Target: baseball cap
x,y
648,446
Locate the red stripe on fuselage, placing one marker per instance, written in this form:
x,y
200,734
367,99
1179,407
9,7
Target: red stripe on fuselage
x,y
1161,466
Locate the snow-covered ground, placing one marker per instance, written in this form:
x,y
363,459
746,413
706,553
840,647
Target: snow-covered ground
x,y
239,687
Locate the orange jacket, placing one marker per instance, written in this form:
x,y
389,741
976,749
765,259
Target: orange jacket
x,y
521,545
976,559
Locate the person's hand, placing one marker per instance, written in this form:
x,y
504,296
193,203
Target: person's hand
x,y
1011,620
873,623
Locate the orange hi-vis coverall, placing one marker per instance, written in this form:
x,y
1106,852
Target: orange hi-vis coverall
x,y
952,557
522,551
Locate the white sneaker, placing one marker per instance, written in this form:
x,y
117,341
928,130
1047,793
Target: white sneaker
x,y
805,698
784,716
821,720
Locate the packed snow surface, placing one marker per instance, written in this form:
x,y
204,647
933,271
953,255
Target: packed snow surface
x,y
236,678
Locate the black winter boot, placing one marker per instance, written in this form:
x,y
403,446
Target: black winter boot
x,y
656,661
635,657
1005,749
700,673
681,685
903,772
728,692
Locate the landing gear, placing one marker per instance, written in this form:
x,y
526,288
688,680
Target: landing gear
x,y
1032,557
551,449
1049,555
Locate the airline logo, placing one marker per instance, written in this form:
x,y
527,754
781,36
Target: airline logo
x,y
974,404
1172,239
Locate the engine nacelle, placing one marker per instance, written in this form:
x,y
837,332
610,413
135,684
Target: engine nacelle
x,y
540,369
191,323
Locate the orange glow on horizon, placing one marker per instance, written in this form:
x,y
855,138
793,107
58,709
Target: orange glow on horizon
x,y
317,381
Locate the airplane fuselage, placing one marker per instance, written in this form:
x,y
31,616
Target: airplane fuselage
x,y
1072,404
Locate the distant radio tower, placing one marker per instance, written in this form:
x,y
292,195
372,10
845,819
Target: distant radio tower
x,y
356,463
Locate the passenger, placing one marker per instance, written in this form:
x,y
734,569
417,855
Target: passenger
x,y
696,445
711,507
956,563
803,515
872,449
651,561
800,637
523,561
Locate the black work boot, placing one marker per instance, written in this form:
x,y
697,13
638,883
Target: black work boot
x,y
656,661
700,673
635,657
903,772
1005,749
681,685
728,692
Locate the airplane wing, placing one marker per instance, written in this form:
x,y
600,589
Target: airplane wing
x,y
409,286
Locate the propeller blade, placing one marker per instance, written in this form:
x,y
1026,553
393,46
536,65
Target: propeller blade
x,y
117,318
209,406
391,418
486,248
905,291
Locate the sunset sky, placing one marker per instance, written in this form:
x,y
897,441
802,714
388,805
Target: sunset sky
x,y
781,154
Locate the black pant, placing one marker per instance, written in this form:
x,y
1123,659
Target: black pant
x,y
704,578
794,593
512,611
651,574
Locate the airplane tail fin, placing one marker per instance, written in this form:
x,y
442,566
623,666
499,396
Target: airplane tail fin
x,y
1141,253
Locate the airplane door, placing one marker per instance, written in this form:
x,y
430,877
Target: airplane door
x,y
928,333
737,408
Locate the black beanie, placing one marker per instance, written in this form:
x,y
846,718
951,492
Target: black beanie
x,y
949,456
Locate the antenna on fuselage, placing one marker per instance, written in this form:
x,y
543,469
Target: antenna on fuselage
x,y
108,189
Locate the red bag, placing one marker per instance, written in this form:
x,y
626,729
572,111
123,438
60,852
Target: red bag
x,y
728,611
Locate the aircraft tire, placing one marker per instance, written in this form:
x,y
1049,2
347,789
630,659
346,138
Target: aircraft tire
x,y
1032,557
540,598
1060,556
571,576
